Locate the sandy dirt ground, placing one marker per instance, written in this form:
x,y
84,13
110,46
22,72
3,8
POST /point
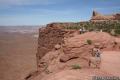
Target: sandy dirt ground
x,y
111,62
17,55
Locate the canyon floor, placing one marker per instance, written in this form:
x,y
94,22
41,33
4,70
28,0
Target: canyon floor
x,y
17,54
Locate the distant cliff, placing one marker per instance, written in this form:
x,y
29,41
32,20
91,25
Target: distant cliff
x,y
99,17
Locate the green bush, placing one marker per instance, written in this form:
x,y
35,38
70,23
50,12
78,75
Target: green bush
x,y
89,42
117,31
106,26
76,66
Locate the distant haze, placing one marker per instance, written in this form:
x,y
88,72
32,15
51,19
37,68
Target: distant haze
x,y
32,30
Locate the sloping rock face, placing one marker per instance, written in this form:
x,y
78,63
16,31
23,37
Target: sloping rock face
x,y
50,36
99,17
77,46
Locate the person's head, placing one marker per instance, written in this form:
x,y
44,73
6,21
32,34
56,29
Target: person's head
x,y
97,50
97,45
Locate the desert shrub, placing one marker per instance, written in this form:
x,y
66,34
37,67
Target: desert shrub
x,y
91,29
89,41
47,71
76,66
106,26
117,31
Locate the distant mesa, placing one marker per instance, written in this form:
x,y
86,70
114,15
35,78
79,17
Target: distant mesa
x,y
96,17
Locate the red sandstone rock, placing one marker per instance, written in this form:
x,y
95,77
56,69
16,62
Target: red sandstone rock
x,y
99,17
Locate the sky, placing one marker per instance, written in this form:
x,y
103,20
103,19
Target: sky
x,y
41,12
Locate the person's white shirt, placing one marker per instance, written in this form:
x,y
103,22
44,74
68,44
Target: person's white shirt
x,y
80,30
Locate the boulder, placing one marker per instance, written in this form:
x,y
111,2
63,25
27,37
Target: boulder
x,y
57,46
67,57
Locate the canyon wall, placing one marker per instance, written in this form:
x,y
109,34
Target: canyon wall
x,y
49,36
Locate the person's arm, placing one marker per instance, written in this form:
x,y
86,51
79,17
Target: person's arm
x,y
92,52
100,52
